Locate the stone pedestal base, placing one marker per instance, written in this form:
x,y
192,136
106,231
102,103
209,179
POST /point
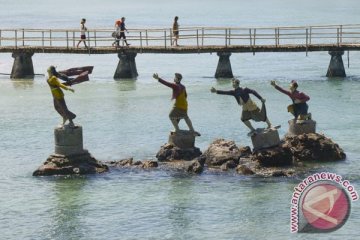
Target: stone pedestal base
x,y
265,138
300,127
82,163
70,157
182,139
68,140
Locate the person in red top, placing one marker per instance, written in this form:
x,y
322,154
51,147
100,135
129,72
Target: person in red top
x,y
299,108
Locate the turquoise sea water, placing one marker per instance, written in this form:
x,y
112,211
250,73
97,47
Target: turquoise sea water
x,y
129,119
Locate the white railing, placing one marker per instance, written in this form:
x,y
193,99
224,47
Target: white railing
x,y
189,37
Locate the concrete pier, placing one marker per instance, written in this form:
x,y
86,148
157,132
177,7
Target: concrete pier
x,y
336,66
126,67
265,138
23,65
223,69
300,127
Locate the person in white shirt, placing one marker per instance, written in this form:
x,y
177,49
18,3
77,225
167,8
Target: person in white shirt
x,y
83,30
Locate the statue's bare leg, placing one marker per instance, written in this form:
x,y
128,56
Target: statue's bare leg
x,y
191,128
175,122
268,123
252,129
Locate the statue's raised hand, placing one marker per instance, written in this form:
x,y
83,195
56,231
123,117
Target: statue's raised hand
x,y
273,83
156,76
213,90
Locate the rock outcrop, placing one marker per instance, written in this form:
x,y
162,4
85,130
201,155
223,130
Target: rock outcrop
x,y
80,163
284,160
314,147
222,151
169,152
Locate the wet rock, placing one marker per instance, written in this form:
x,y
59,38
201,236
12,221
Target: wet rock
x,y
273,157
193,166
228,165
169,152
149,164
129,162
80,163
121,163
275,172
314,147
244,169
220,151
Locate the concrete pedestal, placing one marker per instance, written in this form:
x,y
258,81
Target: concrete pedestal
x,y
23,65
68,141
70,157
182,139
336,66
265,138
223,69
126,67
300,127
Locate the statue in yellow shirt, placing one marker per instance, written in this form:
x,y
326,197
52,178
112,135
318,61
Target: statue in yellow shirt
x,y
58,96
179,110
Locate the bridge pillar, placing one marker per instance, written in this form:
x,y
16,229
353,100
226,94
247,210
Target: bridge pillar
x,y
23,65
126,67
336,66
223,69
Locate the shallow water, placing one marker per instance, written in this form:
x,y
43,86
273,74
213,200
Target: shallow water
x,y
129,119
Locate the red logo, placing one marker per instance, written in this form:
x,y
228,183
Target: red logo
x,y
325,206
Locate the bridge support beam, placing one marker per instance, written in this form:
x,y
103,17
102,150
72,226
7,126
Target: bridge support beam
x,y
126,67
336,66
23,65
223,69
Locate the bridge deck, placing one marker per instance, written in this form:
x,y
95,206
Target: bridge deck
x,y
192,40
185,49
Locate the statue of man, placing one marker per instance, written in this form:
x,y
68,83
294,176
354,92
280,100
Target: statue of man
x,y
249,108
58,96
299,108
180,108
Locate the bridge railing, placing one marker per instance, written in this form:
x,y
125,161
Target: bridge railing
x,y
192,37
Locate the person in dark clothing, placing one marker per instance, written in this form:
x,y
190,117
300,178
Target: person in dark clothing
x,y
250,111
299,108
122,31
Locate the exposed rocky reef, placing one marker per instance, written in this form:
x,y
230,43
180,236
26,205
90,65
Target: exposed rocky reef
x,y
286,159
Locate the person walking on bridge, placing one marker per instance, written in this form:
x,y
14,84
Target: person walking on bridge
x,y
180,108
83,30
175,30
122,31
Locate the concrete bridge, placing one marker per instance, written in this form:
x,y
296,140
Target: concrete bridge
x,y
335,39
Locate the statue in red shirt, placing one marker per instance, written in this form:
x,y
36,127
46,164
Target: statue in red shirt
x,y
299,108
